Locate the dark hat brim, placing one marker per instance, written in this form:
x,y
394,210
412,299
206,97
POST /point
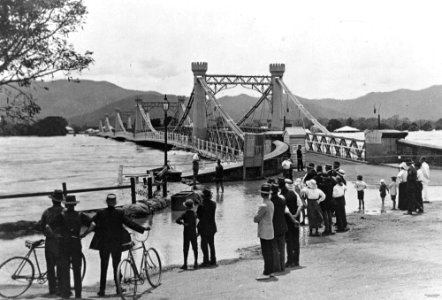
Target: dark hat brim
x,y
55,199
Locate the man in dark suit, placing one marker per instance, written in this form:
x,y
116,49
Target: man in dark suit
x,y
207,227
51,228
108,237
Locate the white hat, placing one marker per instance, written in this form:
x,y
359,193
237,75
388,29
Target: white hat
x,y
382,181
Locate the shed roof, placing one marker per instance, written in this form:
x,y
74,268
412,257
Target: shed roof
x,y
295,131
347,129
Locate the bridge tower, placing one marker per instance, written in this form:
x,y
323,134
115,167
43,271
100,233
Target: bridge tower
x,y
277,71
199,119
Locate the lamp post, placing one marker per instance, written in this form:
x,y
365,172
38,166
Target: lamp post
x,y
165,108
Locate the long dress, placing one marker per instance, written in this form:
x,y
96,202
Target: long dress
x,y
314,213
403,194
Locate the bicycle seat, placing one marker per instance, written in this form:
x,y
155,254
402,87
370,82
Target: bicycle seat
x,y
33,244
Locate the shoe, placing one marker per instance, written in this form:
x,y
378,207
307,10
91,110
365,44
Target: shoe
x,y
288,264
204,264
213,263
343,230
195,266
183,267
408,213
100,294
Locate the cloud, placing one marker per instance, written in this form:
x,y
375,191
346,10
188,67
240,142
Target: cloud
x,y
157,69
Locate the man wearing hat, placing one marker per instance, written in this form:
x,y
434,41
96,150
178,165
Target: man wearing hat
x,y
264,218
51,229
108,237
294,207
188,220
71,223
207,227
311,173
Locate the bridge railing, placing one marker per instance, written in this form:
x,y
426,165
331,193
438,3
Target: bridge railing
x,y
207,148
337,146
214,150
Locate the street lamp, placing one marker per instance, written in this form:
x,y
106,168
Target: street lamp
x,y
165,108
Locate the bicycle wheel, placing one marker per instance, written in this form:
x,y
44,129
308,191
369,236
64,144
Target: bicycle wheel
x,y
153,267
16,276
127,281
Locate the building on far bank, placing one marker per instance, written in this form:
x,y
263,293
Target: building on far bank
x,y
346,129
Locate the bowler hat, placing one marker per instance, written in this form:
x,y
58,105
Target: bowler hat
x,y
71,200
188,203
207,194
57,195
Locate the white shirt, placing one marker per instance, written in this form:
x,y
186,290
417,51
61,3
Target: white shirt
x,y
286,164
314,194
402,176
426,172
339,190
196,157
420,175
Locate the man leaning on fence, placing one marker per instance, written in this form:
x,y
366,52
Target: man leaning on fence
x,y
108,237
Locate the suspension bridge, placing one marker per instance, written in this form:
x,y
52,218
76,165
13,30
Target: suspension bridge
x,y
200,123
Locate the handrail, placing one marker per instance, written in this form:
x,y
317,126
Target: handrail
x,y
27,195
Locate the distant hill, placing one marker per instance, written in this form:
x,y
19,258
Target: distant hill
x,y
86,102
70,98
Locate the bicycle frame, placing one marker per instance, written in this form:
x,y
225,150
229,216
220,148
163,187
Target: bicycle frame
x,y
139,276
42,276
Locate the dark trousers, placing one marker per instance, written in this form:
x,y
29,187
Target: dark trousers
x,y
287,173
267,254
104,257
300,165
52,263
206,242
328,219
341,215
186,245
279,253
71,255
292,240
414,193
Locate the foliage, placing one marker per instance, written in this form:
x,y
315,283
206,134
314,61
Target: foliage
x,y
334,124
50,126
33,43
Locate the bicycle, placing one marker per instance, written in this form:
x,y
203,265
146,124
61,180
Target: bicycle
x,y
131,276
17,273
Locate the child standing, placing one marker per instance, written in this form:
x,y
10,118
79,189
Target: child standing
x,y
383,189
188,220
360,186
393,191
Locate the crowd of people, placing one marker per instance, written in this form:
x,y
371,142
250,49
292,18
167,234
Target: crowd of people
x,y
62,229
279,215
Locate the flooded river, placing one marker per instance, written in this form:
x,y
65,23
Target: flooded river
x,y
41,164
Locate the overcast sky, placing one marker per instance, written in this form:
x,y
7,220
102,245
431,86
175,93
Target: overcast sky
x,y
337,49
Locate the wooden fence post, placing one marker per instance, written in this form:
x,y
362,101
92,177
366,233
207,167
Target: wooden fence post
x,y
132,190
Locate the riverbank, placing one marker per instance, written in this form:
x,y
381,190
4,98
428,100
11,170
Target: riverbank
x,y
387,256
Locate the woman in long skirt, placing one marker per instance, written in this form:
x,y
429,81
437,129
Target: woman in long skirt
x,y
402,179
314,196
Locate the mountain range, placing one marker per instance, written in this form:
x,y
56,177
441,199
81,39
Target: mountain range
x,y
86,102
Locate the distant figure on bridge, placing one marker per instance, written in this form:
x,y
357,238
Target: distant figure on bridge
x,y
287,168
195,168
219,176
426,179
299,157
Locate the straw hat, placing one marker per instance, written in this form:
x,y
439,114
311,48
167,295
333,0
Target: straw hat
x,y
265,189
312,184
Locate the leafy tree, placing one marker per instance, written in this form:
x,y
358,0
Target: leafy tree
x,y
413,127
333,124
50,126
350,122
34,44
427,126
